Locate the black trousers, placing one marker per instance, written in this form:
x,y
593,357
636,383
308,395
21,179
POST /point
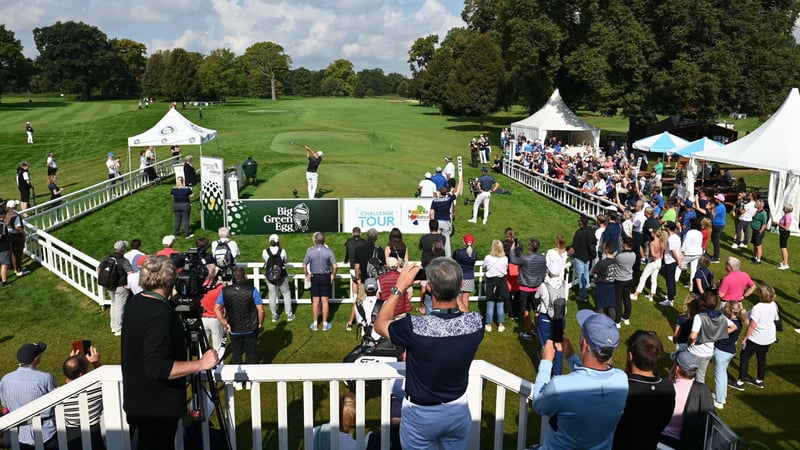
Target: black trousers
x,y
243,343
152,433
750,349
668,270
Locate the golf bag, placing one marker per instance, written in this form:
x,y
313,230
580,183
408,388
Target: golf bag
x,y
371,350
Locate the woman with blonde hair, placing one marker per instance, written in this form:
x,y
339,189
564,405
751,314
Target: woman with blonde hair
x,y
705,229
725,350
495,265
657,246
556,258
760,334
466,258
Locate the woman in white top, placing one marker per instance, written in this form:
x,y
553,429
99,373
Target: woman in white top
x,y
557,258
760,334
691,249
495,264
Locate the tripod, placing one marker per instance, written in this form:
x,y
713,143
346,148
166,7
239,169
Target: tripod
x,y
202,388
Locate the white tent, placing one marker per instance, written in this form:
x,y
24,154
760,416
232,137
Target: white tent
x,y
173,129
770,147
555,116
660,143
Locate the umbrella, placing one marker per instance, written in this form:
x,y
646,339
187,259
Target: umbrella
x,y
660,143
699,145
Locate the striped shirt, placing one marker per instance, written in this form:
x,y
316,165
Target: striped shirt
x,y
94,398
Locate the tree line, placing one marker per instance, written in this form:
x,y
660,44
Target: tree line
x,y
78,58
640,58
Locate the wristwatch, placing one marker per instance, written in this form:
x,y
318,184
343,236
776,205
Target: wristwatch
x,y
396,291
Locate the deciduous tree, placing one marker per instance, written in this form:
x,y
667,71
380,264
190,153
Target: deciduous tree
x,y
267,61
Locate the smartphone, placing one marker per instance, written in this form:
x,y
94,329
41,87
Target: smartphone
x,y
82,346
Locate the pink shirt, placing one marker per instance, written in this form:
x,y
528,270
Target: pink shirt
x,y
733,286
786,221
675,425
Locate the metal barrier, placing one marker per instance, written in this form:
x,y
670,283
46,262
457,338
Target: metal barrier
x,y
263,377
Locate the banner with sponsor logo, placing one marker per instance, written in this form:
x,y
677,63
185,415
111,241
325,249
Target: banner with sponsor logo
x,y
212,194
410,215
259,216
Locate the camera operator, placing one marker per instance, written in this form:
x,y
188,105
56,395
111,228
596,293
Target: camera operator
x,y
154,357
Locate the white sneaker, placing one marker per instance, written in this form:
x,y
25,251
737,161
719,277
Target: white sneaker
x,y
666,303
781,266
719,405
502,328
734,245
634,296
488,328
472,220
626,321
619,325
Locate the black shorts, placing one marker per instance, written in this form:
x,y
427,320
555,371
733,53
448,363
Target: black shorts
x,y
529,301
784,238
757,237
321,285
25,196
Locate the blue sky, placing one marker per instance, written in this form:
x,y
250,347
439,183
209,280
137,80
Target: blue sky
x,y
369,33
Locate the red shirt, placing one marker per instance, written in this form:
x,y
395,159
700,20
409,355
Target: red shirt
x,y
386,282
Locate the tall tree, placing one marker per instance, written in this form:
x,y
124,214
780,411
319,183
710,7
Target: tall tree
x,y
267,60
420,55
127,65
300,82
74,55
340,79
180,81
154,72
13,66
221,74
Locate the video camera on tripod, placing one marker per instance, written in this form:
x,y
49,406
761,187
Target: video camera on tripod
x,y
189,284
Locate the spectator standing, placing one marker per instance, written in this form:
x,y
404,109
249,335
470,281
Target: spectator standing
x,y
55,191
784,224
656,256
319,266
486,185
717,223
167,242
135,254
725,350
112,164
623,279
25,385
312,171
583,250
5,247
16,237
691,249
513,306
396,248
282,285
29,132
24,185
759,228
651,398
429,397
532,271
182,207
466,258
362,256
154,365
612,232
672,259
760,334
120,293
604,272
747,210
703,279
495,266
189,173
52,166
736,285
693,403
584,406
215,331
242,317
705,326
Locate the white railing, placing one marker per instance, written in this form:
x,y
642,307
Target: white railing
x,y
561,192
54,213
482,375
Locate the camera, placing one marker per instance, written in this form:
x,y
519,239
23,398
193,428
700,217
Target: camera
x,y
189,283
557,321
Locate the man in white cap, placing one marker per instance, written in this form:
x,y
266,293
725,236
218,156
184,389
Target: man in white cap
x,y
427,188
29,132
584,406
312,171
275,256
25,385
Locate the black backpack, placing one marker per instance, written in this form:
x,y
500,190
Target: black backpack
x,y
375,267
223,257
109,276
274,267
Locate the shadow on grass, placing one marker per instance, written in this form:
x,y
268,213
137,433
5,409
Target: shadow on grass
x,y
25,106
273,341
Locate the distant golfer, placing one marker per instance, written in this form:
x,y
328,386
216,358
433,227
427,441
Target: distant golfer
x,y
29,132
314,160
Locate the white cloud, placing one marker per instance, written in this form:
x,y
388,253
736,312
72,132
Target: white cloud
x,y
370,33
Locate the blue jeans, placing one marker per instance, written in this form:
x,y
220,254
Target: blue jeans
x,y
490,305
721,360
543,330
582,272
423,427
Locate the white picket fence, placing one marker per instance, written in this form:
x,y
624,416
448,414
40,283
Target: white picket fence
x,y
266,377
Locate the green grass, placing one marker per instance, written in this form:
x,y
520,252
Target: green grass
x,y
373,147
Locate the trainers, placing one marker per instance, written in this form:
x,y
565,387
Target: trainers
x,y
650,298
472,220
782,266
275,318
619,325
734,246
488,328
526,336
738,385
757,383
290,317
715,261
501,328
719,405
349,327
190,236
634,296
326,326
757,262
753,259
666,303
23,273
626,321
314,326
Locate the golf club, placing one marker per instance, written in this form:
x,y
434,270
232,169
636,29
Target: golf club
x,y
295,143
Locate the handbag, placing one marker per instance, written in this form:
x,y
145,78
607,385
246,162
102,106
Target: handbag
x,y
779,325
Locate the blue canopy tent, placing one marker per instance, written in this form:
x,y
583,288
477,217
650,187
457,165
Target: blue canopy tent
x,y
699,145
660,143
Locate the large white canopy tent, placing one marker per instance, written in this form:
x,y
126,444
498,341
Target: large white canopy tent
x,y
172,129
770,147
556,116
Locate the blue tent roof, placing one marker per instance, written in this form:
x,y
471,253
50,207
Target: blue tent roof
x,y
699,145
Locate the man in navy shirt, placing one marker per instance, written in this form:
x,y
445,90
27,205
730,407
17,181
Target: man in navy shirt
x,y
435,410
486,185
312,175
442,210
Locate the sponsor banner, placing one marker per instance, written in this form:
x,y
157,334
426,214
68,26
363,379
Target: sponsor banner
x,y
410,215
258,216
212,194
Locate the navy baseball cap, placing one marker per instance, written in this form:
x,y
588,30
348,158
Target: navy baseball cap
x,y
484,169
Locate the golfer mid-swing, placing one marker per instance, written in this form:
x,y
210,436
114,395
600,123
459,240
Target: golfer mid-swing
x,y
314,160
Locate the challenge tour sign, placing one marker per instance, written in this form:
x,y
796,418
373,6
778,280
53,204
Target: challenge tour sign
x,y
283,216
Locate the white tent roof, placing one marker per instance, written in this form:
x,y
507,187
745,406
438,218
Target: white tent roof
x,y
660,143
173,129
770,146
556,116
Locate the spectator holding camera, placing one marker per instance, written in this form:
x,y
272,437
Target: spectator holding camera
x,y
77,365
